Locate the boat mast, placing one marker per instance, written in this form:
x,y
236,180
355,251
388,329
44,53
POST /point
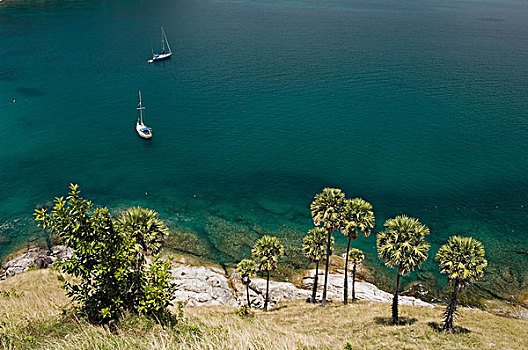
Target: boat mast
x,y
164,40
140,108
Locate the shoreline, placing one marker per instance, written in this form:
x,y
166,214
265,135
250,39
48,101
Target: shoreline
x,y
202,283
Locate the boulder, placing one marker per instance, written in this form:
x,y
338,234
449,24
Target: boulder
x,y
200,285
33,258
60,252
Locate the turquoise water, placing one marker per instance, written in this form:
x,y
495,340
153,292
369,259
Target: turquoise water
x,y
420,107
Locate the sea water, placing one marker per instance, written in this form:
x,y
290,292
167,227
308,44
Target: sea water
x,y
420,107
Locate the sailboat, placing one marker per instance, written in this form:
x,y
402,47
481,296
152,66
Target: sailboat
x,y
166,51
142,130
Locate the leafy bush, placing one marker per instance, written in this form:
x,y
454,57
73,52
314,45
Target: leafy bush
x,y
109,262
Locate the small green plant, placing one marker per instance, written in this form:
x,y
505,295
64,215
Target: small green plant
x,y
194,329
180,311
348,346
30,339
243,311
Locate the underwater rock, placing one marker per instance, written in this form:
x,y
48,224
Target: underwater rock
x,y
186,240
419,290
229,238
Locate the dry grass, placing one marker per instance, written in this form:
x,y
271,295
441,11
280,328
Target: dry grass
x,y
37,320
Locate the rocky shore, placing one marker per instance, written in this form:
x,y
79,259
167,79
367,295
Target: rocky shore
x,y
210,285
199,285
34,258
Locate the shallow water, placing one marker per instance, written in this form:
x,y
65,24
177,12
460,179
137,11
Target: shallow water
x,y
418,107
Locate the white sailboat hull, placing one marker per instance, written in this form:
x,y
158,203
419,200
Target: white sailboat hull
x,y
166,51
160,57
146,134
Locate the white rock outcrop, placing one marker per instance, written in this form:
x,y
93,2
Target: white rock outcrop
x,y
280,291
199,285
364,290
35,258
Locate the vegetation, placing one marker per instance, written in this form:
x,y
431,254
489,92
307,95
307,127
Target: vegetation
x,y
266,253
118,280
314,249
402,246
326,210
111,275
145,227
358,217
246,269
356,256
462,259
40,319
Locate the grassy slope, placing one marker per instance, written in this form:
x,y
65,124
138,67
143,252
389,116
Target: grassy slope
x,y
38,319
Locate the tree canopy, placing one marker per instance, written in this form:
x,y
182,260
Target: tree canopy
x,y
356,256
462,258
266,252
246,269
402,245
326,208
357,216
314,244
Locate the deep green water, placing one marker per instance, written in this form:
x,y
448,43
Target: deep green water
x,y
420,107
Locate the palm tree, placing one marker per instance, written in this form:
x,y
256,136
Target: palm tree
x,y
266,253
357,217
145,226
326,210
402,245
462,259
356,256
313,248
246,269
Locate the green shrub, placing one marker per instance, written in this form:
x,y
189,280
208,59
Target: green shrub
x,y
243,311
109,260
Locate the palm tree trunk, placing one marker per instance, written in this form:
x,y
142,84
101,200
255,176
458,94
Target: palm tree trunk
x,y
247,294
267,293
314,291
345,288
451,308
395,300
323,302
354,283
